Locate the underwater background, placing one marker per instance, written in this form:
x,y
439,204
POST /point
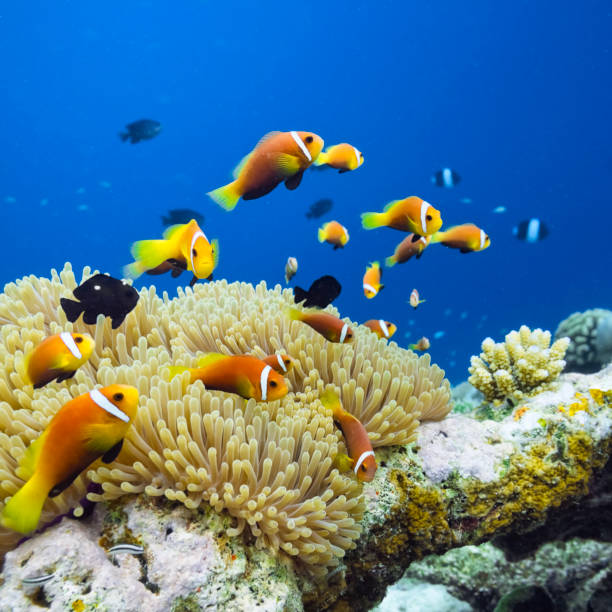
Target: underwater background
x,y
514,96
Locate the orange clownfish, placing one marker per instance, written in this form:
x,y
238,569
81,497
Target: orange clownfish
x,y
88,427
467,238
58,357
342,156
361,454
411,214
244,375
334,233
186,244
278,157
330,327
382,328
371,280
279,362
422,345
415,299
412,245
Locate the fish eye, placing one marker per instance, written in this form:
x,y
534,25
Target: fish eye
x,y
349,334
273,383
287,361
78,339
118,397
309,139
429,217
363,468
194,252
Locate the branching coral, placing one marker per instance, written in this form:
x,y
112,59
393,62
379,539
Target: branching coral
x,y
268,465
524,365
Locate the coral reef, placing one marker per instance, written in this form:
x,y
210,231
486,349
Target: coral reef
x,y
268,465
590,333
522,366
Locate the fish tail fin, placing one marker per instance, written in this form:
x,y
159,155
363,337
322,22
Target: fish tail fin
x,y
22,512
71,308
293,313
177,370
150,253
390,261
133,270
323,158
370,220
124,136
329,398
437,237
321,235
227,196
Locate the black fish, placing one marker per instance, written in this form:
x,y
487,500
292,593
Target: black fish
x,y
321,293
176,267
143,129
182,215
101,294
531,230
319,208
445,178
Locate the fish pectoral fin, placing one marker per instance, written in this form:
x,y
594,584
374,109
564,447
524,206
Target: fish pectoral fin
x,y
62,486
294,182
287,165
71,308
343,462
112,453
245,387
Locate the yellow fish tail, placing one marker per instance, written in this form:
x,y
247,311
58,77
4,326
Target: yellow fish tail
x,y
323,158
22,512
294,314
150,253
227,196
329,398
177,370
390,261
437,237
321,235
133,270
370,220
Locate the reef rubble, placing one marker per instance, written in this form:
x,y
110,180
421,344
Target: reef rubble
x,y
465,481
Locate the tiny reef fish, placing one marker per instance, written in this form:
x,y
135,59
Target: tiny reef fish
x,y
58,357
343,156
101,294
132,549
371,280
415,299
531,230
411,214
445,178
330,327
467,238
322,292
143,129
278,157
411,246
319,208
185,244
361,455
334,233
291,268
421,345
244,375
38,579
176,216
88,427
283,364
382,328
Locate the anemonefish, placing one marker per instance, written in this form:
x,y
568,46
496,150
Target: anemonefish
x,y
334,233
342,156
355,435
467,238
446,178
371,280
278,157
279,362
382,328
412,245
291,268
422,345
411,214
187,244
58,358
415,299
531,230
330,327
88,427
244,375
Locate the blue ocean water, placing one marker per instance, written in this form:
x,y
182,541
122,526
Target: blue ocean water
x,y
514,96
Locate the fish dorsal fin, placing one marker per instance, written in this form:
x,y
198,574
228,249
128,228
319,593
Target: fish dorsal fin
x,y
287,165
241,164
390,204
173,230
267,137
29,461
209,359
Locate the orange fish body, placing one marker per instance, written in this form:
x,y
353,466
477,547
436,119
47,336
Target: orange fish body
x,y
279,362
58,357
412,245
330,327
334,233
90,426
467,238
185,243
415,299
411,214
371,280
244,375
355,435
342,156
278,157
382,328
